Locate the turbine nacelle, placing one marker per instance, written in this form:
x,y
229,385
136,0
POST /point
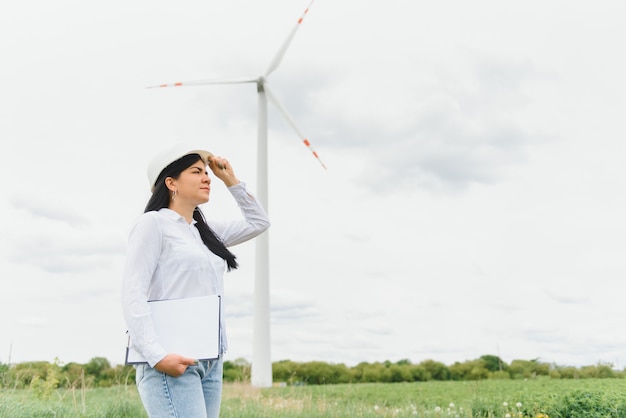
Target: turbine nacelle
x,y
260,84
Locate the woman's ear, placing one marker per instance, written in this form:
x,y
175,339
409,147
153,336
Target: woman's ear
x,y
170,183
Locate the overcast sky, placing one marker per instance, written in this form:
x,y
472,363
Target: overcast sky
x,y
473,203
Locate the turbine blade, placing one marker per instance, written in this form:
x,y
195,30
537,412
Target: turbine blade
x,y
207,82
281,109
281,52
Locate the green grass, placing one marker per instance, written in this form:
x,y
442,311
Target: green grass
x,y
589,398
115,402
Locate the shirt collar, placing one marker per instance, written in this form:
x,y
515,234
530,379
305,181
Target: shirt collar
x,y
175,216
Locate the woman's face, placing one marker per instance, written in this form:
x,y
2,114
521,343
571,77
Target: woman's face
x,y
193,185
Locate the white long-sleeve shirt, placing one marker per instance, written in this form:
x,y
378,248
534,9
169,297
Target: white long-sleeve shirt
x,y
166,259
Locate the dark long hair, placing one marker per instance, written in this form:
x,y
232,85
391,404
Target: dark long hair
x,y
161,199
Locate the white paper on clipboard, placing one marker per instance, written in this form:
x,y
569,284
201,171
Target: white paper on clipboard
x,y
189,327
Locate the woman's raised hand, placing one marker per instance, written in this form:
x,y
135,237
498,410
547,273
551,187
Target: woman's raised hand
x,y
223,170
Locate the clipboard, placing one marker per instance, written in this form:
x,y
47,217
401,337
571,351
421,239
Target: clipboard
x,y
189,327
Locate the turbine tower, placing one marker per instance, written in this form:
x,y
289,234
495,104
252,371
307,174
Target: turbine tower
x,y
261,358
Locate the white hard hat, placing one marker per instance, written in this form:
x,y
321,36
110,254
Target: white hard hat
x,y
167,156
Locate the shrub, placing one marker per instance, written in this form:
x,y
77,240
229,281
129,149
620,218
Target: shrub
x,y
437,370
591,405
239,371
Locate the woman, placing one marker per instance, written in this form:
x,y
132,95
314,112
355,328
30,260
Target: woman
x,y
172,254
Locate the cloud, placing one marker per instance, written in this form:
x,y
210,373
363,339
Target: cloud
x,y
33,322
464,132
50,210
67,250
569,297
56,240
454,123
544,335
286,305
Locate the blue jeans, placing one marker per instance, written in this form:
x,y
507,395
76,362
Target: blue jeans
x,y
195,394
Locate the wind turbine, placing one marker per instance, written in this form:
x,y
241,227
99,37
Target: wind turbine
x,y
261,359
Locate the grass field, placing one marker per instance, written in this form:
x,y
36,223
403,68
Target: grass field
x,y
588,398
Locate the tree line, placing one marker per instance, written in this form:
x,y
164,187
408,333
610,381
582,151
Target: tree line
x,y
98,372
484,367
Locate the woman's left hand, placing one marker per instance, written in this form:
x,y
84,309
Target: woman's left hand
x,y
223,170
